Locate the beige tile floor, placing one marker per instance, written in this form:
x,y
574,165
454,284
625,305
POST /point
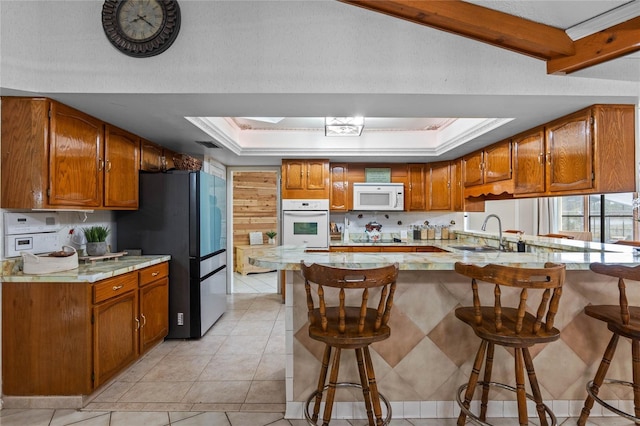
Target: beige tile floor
x,y
233,376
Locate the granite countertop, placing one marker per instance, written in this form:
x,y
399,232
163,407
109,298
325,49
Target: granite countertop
x,y
577,255
86,272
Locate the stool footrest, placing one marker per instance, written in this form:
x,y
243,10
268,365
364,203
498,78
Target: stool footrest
x,y
475,419
607,406
309,420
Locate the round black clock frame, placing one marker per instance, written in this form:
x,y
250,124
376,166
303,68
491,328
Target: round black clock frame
x,y
137,47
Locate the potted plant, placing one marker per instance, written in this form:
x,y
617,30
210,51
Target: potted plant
x,y
96,239
272,236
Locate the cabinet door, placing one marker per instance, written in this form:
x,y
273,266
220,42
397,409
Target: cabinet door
x,y
439,184
151,158
472,169
168,156
417,196
115,333
317,175
75,158
154,313
294,171
570,153
121,169
529,163
339,191
497,162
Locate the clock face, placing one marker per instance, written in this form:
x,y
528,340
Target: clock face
x,y
140,20
141,28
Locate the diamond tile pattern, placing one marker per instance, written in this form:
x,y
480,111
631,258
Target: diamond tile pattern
x,y
430,352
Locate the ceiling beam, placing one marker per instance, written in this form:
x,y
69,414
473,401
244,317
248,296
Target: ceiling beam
x,y
479,23
610,43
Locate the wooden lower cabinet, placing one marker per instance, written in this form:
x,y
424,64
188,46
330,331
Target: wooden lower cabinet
x,y
69,338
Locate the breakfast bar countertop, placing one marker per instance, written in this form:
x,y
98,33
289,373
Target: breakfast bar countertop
x,y
85,272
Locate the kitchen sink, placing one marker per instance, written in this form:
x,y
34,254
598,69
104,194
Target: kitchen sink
x,y
474,248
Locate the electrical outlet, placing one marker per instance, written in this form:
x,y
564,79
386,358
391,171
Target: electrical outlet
x,y
180,318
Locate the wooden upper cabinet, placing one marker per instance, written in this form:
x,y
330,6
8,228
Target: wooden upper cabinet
x,y
339,199
54,156
472,165
76,161
529,162
305,179
151,157
416,197
439,186
497,162
570,153
168,156
121,169
458,202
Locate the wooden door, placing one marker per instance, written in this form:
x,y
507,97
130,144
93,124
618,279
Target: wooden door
x,y
317,175
154,313
529,162
570,153
472,169
293,174
417,196
151,157
75,158
115,333
121,169
439,186
339,191
497,162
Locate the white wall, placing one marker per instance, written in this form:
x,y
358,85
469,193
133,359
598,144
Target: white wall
x,y
514,214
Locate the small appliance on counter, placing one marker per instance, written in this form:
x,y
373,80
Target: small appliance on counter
x,y
30,233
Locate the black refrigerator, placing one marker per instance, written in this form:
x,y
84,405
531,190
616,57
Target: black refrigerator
x,y
182,214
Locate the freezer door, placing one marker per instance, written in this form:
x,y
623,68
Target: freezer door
x,y
213,299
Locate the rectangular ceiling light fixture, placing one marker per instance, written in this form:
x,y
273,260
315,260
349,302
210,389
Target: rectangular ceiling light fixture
x,y
343,126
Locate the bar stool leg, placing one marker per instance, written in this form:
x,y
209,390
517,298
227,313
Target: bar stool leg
x,y
520,390
321,381
364,381
373,386
597,381
331,392
488,368
535,387
473,381
635,353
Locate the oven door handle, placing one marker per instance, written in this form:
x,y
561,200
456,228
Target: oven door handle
x,y
305,213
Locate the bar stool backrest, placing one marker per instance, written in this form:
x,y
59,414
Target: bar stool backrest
x,y
547,280
349,279
621,272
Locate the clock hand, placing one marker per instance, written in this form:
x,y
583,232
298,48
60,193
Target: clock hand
x,y
143,18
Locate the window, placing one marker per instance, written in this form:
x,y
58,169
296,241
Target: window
x,y
609,217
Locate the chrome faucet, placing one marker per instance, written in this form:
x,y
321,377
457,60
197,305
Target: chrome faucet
x,y
501,246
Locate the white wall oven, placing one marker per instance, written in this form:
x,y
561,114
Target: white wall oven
x,y
305,223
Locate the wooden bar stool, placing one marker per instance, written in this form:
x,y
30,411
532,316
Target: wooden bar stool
x,y
512,327
342,326
622,320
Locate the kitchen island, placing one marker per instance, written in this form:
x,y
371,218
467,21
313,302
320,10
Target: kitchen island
x,y
430,352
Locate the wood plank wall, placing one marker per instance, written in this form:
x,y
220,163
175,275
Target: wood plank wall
x,y
255,208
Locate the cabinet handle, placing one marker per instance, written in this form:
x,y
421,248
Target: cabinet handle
x,y
108,166
548,157
117,287
137,324
144,321
155,274
100,164
541,158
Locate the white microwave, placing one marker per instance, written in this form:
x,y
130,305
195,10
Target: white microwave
x,y
378,196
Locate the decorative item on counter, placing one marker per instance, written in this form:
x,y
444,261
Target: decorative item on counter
x,y
431,232
444,232
56,261
272,236
96,239
416,232
372,229
452,231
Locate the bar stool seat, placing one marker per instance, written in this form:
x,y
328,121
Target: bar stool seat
x,y
512,327
622,320
340,326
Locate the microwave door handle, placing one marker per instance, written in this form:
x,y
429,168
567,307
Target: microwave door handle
x,y
395,205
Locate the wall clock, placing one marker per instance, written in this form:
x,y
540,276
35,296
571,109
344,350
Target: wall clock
x,y
141,28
